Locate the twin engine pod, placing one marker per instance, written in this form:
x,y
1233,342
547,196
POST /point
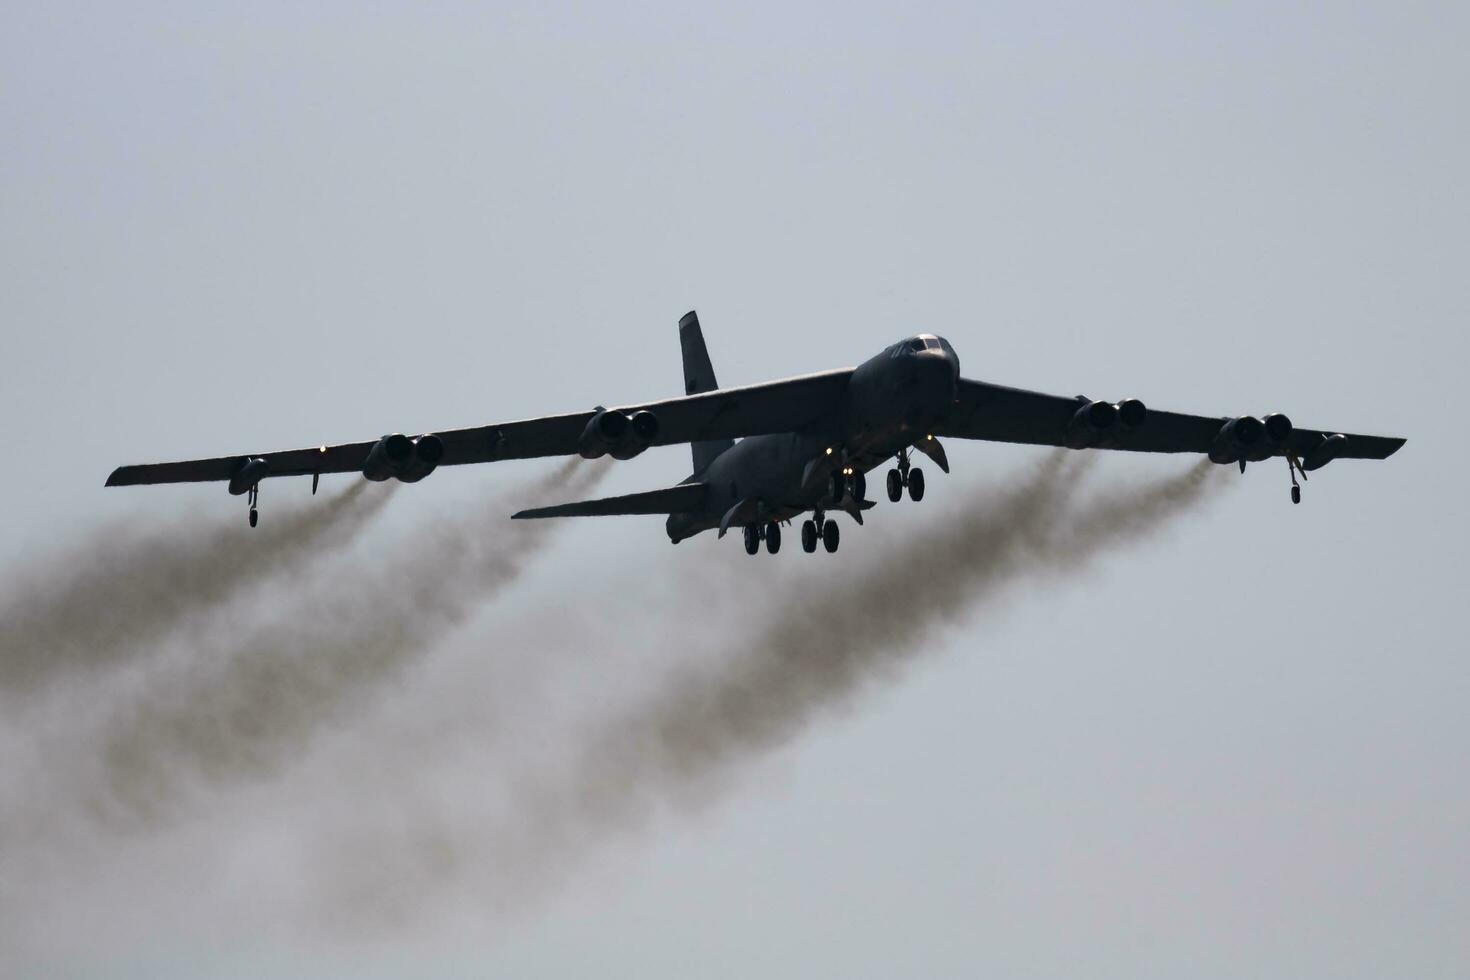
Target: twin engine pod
x,y
403,458
1249,439
622,436
1099,423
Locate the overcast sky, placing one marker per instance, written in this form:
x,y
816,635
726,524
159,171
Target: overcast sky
x,y
1239,748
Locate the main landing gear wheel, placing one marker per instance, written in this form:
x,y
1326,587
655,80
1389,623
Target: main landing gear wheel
x,y
916,484
809,536
752,539
831,537
859,483
773,537
895,486
254,517
1296,495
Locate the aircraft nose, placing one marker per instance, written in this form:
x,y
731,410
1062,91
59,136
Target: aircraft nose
x,y
938,368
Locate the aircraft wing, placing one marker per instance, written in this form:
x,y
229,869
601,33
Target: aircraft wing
x,y
728,413
997,413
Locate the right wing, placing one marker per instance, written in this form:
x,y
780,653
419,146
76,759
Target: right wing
x,y
729,413
1000,414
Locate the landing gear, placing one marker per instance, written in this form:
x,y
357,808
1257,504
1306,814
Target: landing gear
x,y
809,536
1294,466
769,532
254,516
831,537
904,475
858,481
253,500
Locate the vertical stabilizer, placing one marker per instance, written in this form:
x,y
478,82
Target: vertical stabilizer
x,y
699,376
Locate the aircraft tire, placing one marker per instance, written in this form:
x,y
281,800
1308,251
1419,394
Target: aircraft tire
x,y
916,484
254,517
838,487
831,537
859,484
752,539
809,536
895,486
1296,495
773,537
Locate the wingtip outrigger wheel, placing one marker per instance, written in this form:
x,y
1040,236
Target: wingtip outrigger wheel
x,y
253,500
1294,466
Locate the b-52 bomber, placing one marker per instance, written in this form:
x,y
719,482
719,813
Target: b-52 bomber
x,y
805,444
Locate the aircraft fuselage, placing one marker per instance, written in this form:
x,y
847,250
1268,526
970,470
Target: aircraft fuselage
x,y
892,401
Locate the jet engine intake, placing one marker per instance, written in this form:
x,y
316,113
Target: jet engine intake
x,y
623,436
1092,424
402,458
1239,439
1276,429
1100,423
1132,413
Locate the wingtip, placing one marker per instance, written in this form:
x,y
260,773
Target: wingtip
x,y
688,318
114,479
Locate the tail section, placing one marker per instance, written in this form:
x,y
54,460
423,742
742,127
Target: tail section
x,y
699,376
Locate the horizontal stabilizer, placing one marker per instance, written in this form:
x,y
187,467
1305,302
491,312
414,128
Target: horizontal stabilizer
x,y
671,500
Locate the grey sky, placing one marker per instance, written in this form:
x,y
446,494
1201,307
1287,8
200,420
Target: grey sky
x,y
1239,749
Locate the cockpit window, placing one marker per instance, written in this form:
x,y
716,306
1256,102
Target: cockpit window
x,y
917,344
933,343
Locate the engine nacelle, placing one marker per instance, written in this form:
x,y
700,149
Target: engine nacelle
x,y
1132,413
1092,424
624,436
406,459
1099,423
1238,439
1277,429
1251,439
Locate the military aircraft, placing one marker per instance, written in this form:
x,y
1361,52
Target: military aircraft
x,y
805,443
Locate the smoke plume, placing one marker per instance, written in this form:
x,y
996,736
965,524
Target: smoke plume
x,y
253,700
821,645
121,588
821,640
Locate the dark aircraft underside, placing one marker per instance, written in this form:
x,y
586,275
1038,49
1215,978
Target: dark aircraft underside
x,y
767,454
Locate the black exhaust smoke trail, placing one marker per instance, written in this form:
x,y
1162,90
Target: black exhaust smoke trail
x,y
819,648
257,699
121,588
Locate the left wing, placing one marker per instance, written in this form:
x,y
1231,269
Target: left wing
x,y
1000,414
776,406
